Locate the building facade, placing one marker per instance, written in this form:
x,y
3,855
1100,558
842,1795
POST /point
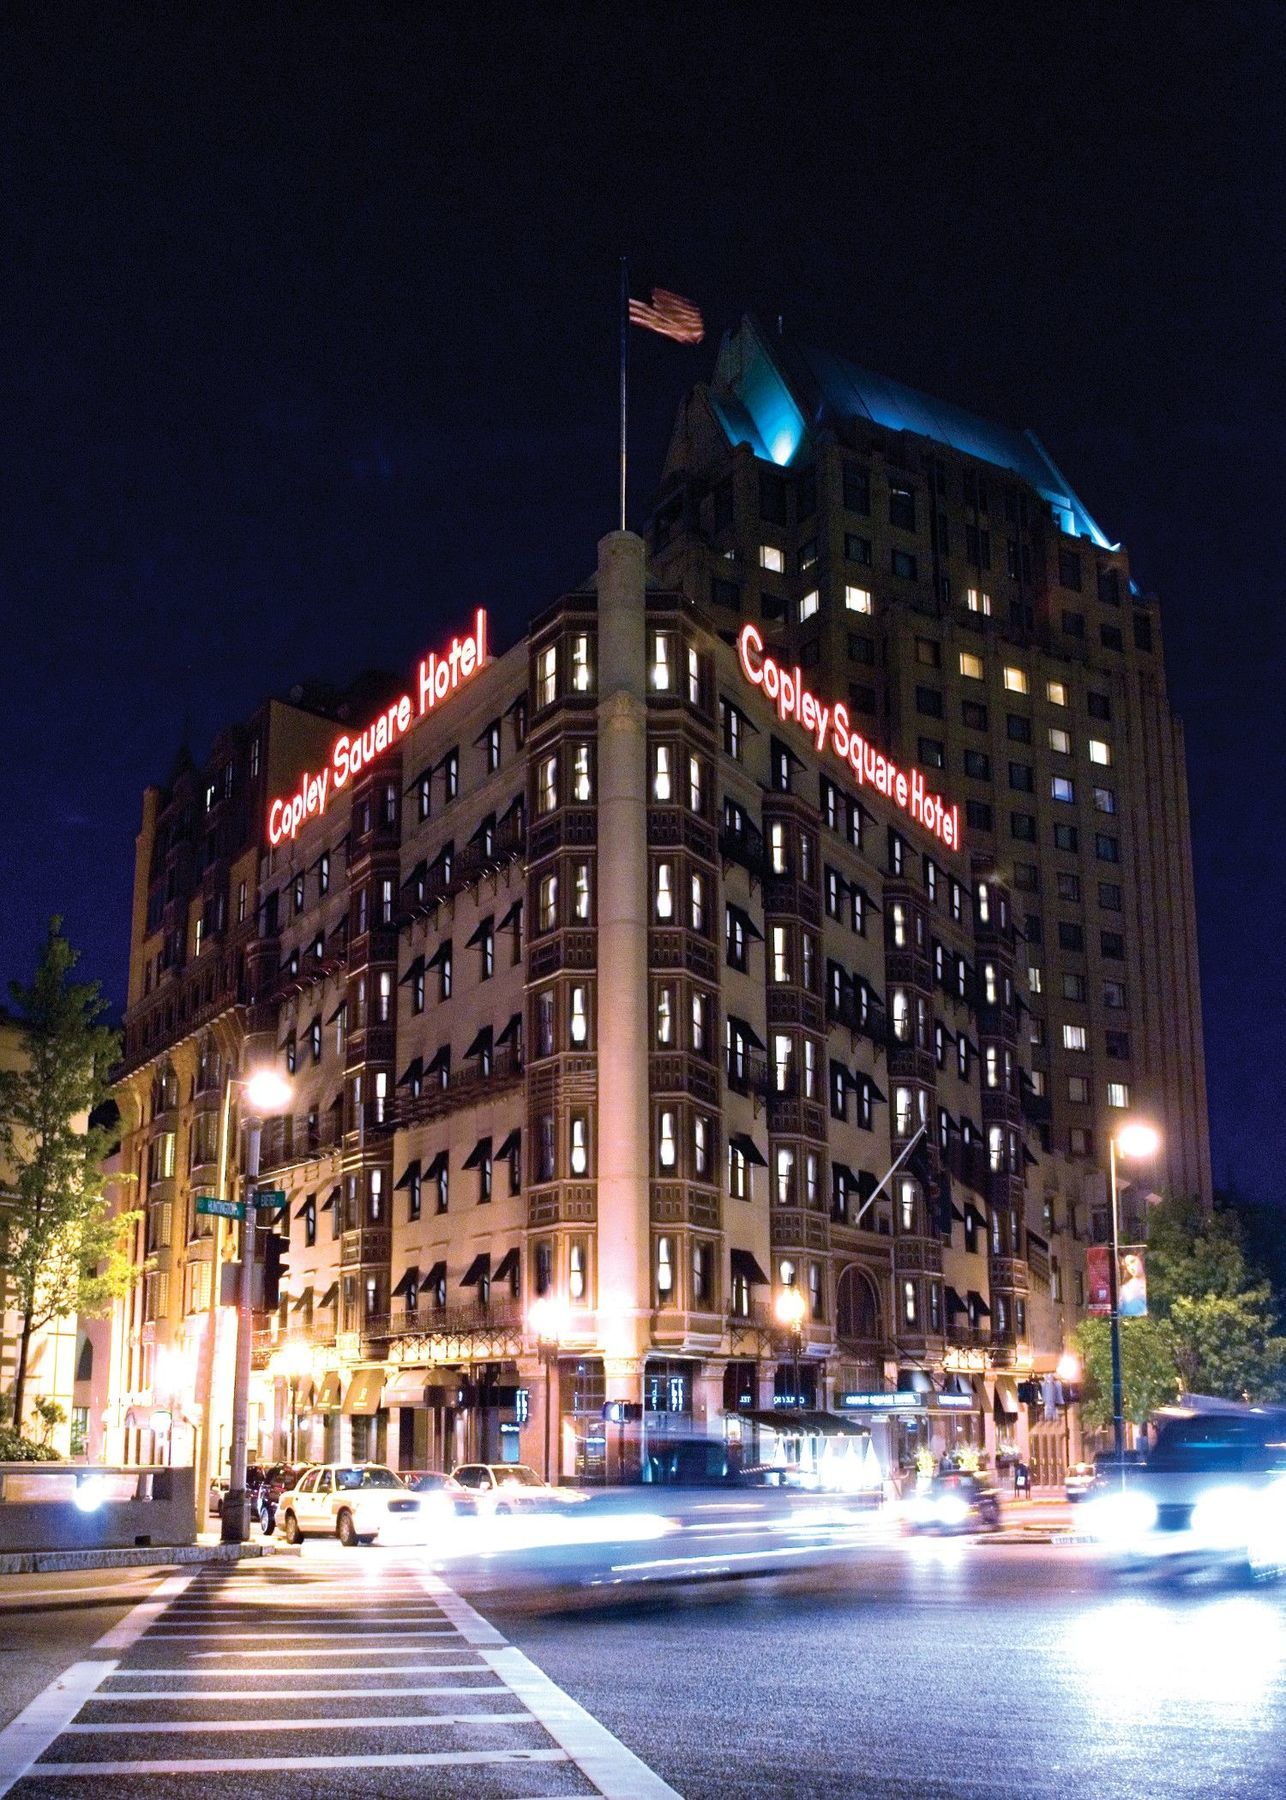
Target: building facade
x,y
938,572
617,972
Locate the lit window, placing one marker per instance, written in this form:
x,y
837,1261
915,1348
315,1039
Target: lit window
x,y
899,925
1118,1093
662,662
785,1172
664,1268
1061,788
1060,740
547,676
978,602
989,987
1034,979
696,786
984,903
773,559
580,664
548,902
700,1015
698,894
777,847
1075,1037
901,1016
666,1145
909,1310
664,1016
971,665
580,1144
547,785
808,605
903,1106
782,1056
665,890
857,599
700,1146
576,1270
582,788
995,1157
780,956
694,678
1104,800
1016,680
661,785
1056,693
579,1014
1100,753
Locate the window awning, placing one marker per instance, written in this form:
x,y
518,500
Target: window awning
x,y
747,924
846,1175
305,1203
510,1146
1006,1400
436,1274
506,1267
745,1266
438,1164
804,1423
407,1388
479,1268
482,1041
480,1154
441,1059
978,1304
338,1010
742,1141
441,955
869,904
326,1399
866,1184
955,1305
742,1028
914,1381
871,1091
328,1203
413,1072
512,1028
363,1393
330,1296
411,1279
409,1176
482,929
414,970
302,1301
979,1219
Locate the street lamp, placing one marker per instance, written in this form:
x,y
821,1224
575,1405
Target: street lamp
x,y
291,1362
547,1317
267,1092
790,1309
1136,1141
1068,1372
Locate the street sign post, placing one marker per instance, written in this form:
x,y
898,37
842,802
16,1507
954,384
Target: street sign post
x,y
228,1209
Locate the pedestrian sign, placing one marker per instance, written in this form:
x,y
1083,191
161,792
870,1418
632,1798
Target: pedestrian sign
x,y
228,1209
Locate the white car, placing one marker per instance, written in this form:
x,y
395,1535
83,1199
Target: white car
x,y
355,1502
511,1487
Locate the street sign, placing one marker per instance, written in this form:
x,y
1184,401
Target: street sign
x,y
228,1209
267,1197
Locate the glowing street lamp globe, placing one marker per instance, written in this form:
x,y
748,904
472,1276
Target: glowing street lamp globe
x,y
267,1092
1138,1140
547,1318
1068,1369
790,1308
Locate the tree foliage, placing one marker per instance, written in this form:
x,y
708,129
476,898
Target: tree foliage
x,y
1149,1372
61,1252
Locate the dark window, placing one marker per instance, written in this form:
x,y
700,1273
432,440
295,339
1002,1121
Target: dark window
x,y
857,489
1110,637
1073,624
1027,877
932,753
1118,1045
1112,944
1033,930
1023,825
1021,778
978,764
929,702
974,714
1066,837
1069,570
857,549
1018,728
1142,631
725,593
1109,586
904,565
1098,706
772,498
861,649
722,506
862,699
1109,896
1107,849
1070,935
806,495
902,508
928,653
978,815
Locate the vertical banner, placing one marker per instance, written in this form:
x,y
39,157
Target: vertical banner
x,y
1098,1277
1132,1283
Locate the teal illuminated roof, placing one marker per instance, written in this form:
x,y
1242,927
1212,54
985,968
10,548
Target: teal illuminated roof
x,y
767,393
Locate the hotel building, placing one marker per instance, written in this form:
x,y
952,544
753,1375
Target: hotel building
x,y
607,972
938,572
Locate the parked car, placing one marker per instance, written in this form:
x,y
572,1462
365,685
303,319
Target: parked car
x,y
954,1502
1079,1481
266,1488
218,1488
355,1502
1212,1492
510,1487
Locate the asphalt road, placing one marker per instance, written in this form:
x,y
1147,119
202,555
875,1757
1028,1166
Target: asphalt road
x,y
927,1667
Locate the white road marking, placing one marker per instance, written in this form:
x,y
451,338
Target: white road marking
x,y
373,1630
382,1722
236,1765
135,1623
148,1695
410,1668
343,1650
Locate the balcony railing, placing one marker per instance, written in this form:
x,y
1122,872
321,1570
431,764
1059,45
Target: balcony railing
x,y
464,1085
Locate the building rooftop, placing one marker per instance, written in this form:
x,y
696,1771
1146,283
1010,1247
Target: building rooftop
x,y
772,394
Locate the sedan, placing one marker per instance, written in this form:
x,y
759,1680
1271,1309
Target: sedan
x,y
439,1492
511,1487
950,1503
355,1502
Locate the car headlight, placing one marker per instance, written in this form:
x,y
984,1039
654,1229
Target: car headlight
x,y
1225,1517
952,1510
1121,1519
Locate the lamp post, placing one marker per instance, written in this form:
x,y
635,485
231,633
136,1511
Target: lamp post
x,y
548,1320
790,1310
1135,1141
1068,1371
266,1092
292,1361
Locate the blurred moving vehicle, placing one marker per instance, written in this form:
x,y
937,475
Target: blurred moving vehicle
x,y
1212,1492
266,1486
355,1502
511,1487
439,1492
1079,1481
958,1501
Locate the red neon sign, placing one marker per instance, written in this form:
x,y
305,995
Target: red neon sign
x,y
438,678
829,727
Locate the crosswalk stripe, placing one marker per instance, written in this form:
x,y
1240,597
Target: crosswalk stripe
x,y
382,1722
237,1765
149,1695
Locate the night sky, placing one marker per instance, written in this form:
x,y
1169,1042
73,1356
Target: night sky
x,y
307,340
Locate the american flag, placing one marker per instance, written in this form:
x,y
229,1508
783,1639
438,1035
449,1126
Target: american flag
x,y
671,315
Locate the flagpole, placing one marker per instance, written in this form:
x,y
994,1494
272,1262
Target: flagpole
x,y
625,324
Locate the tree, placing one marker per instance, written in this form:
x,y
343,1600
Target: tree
x,y
61,1252
1192,1252
1225,1344
1149,1372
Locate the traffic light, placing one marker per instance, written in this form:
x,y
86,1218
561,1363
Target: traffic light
x,y
276,1253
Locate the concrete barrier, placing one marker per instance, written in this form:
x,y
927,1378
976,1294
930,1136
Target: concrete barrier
x,y
93,1506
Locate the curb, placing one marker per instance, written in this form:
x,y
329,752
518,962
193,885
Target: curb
x,y
61,1562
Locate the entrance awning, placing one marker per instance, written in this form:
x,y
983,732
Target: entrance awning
x,y
327,1399
364,1391
1006,1401
407,1388
805,1423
